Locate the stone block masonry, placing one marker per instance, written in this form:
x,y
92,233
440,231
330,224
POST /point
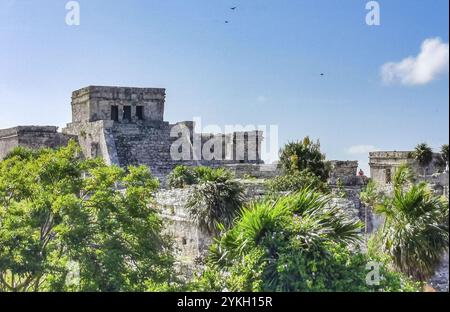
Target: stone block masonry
x,y
33,137
118,103
125,126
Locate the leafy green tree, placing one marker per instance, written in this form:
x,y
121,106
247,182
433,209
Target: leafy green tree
x,y
59,212
298,243
423,154
299,156
217,198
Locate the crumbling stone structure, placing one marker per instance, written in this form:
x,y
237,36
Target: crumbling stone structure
x,y
31,137
384,163
125,126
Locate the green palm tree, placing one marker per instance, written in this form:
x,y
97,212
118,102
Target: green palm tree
x,y
415,233
316,222
403,176
423,154
216,199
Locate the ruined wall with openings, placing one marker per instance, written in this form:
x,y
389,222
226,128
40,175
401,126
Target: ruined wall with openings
x,y
383,165
125,126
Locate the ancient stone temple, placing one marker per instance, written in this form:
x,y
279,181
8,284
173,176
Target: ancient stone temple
x,y
383,165
125,126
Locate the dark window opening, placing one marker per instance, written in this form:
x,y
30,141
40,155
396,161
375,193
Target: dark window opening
x,y
140,112
115,113
388,176
127,113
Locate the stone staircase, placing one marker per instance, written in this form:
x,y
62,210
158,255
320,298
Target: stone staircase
x,y
144,144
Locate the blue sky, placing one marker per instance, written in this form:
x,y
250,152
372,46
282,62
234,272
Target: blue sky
x,y
263,67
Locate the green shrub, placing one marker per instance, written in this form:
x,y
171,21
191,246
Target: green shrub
x,y
304,155
296,181
181,176
208,174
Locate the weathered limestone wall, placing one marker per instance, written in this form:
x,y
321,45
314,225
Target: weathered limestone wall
x,y
144,144
8,141
95,139
383,165
34,137
440,280
191,243
340,168
259,171
438,182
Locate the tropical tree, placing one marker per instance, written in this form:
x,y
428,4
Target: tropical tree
x,y
217,198
423,154
415,233
304,155
298,243
79,225
403,176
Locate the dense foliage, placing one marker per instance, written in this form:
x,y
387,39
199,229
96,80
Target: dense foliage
x,y
79,225
216,198
415,234
304,155
296,181
182,176
298,243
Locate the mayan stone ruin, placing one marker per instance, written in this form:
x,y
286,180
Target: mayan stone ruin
x,y
125,126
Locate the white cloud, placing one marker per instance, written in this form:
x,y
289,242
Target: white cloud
x,y
361,149
421,69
